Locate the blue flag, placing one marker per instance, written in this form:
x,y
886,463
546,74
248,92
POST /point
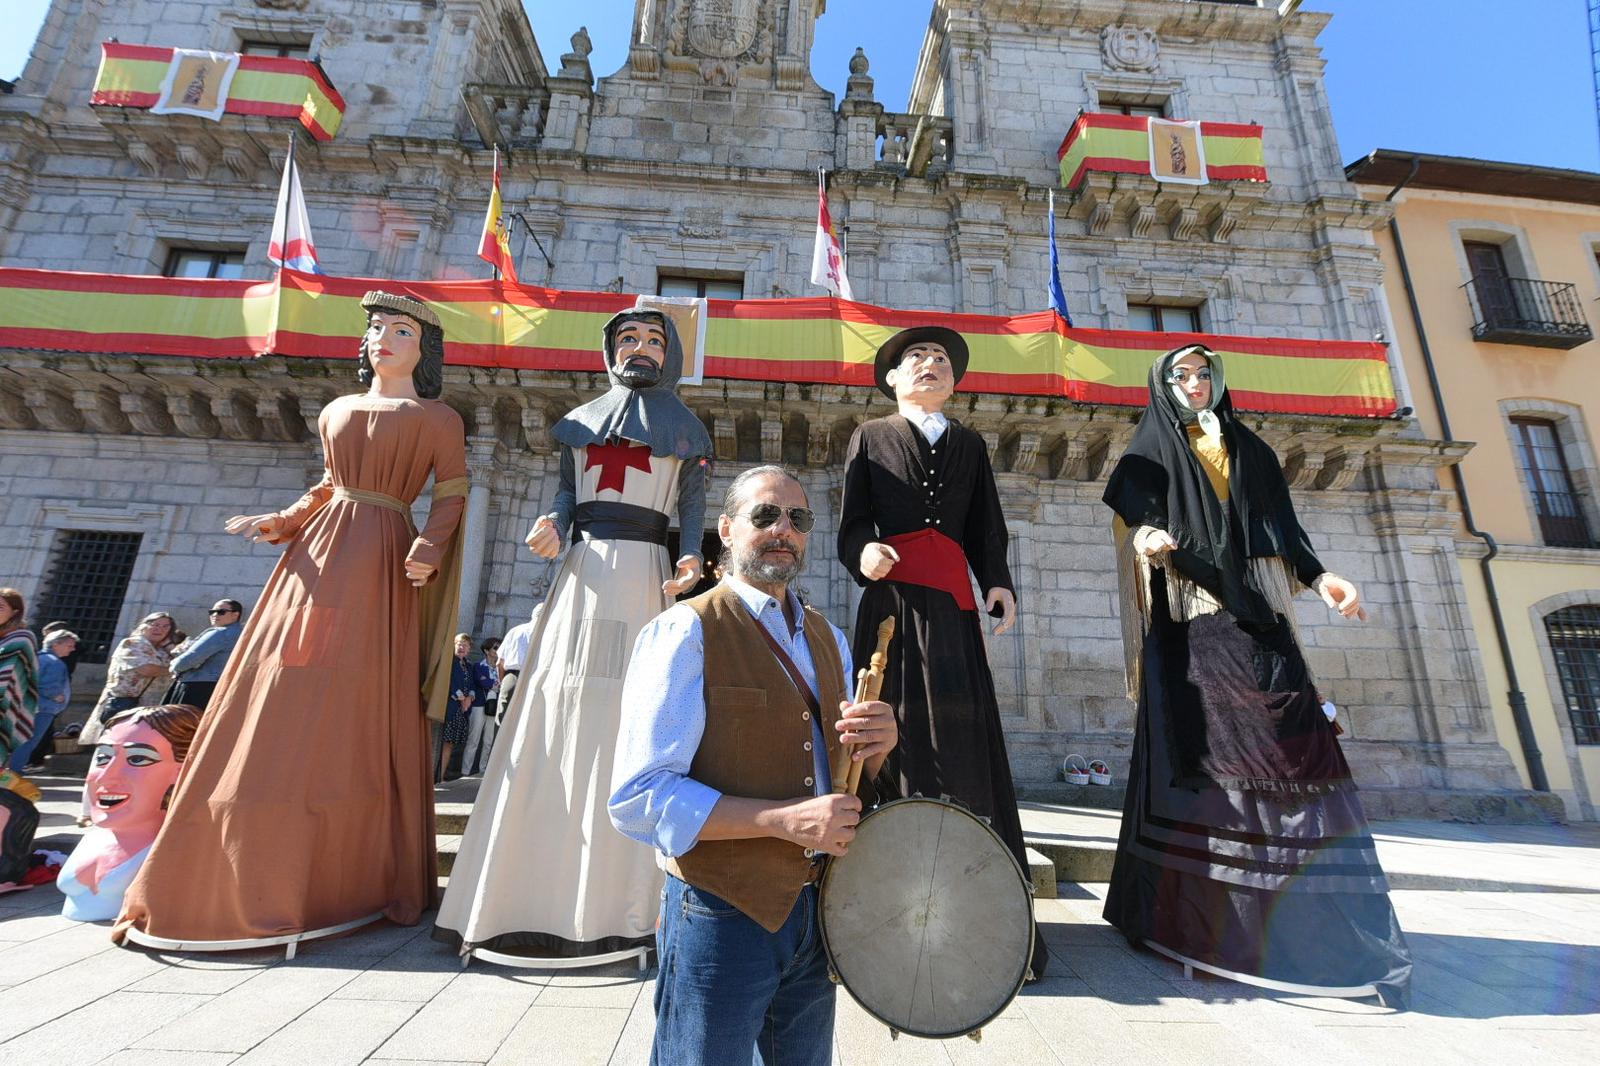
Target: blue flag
x,y
1058,299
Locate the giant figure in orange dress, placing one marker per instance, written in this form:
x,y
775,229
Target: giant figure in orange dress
x,y
306,805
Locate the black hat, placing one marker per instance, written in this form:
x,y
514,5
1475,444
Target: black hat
x,y
889,355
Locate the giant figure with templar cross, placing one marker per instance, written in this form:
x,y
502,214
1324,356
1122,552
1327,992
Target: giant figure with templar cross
x,y
920,508
541,878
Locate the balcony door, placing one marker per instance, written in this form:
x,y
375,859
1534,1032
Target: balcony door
x,y
1497,301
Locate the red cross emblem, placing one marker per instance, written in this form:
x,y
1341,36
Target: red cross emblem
x,y
615,458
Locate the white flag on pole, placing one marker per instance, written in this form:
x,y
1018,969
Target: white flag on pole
x,y
291,245
827,256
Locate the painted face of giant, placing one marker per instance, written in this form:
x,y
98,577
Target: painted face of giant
x,y
925,373
639,352
394,344
129,776
1191,376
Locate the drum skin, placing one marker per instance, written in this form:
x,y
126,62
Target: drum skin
x,y
927,919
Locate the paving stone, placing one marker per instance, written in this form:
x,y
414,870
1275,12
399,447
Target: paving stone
x,y
145,1057
615,990
210,976
60,989
106,1025
495,1002
242,1017
335,1033
563,1036
416,973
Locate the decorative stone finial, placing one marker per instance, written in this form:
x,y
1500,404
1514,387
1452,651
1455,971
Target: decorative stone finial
x,y
581,44
859,84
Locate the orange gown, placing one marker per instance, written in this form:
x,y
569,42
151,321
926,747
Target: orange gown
x,y
307,797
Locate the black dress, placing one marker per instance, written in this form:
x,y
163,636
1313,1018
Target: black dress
x,y
937,679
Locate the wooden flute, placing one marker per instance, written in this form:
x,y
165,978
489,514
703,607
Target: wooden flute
x,y
869,682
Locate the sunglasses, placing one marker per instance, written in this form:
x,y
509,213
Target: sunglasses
x,y
763,515
220,610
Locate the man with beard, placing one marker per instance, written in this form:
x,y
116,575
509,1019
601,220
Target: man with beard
x,y
541,878
735,706
920,508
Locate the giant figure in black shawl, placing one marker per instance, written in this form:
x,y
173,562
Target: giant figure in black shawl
x,y
1244,850
920,507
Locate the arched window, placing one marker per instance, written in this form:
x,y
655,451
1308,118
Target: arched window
x,y
1575,642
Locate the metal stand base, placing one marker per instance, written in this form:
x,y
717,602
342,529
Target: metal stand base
x,y
540,962
1328,991
289,941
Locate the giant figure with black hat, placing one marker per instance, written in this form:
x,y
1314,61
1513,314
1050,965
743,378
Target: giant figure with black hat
x,y
540,871
920,509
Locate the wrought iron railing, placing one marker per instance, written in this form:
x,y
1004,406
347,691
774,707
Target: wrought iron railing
x,y
1544,314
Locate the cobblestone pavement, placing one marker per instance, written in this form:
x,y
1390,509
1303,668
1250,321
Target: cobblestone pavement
x,y
1502,976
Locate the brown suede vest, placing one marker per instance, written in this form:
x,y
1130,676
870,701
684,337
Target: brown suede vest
x,y
757,743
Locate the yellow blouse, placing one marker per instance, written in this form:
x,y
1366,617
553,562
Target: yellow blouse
x,y
1213,456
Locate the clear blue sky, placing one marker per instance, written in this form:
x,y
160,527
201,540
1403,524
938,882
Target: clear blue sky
x,y
1482,78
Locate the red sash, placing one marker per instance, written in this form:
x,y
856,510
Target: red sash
x,y
932,560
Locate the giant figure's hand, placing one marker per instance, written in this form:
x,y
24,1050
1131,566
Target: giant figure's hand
x,y
255,526
1340,595
824,823
687,577
1008,608
877,560
544,538
1151,542
419,573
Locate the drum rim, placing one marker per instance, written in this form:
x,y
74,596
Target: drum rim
x,y
1033,924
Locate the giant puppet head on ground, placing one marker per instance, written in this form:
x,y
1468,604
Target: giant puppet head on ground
x,y
131,778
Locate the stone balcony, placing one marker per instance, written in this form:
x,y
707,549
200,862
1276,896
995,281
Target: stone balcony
x,y
508,115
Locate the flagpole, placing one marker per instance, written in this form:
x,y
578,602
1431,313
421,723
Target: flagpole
x,y
494,178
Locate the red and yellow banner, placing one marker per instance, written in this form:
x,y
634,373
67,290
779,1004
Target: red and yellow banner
x,y
1121,144
132,75
814,340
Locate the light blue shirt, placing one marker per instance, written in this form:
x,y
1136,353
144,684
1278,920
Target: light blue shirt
x,y
653,798
207,654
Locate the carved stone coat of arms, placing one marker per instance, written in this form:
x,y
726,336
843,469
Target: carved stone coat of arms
x,y
722,29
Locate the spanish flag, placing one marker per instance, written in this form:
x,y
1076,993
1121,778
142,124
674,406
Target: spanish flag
x,y
495,245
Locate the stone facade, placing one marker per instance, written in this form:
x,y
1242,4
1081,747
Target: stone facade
x,y
698,158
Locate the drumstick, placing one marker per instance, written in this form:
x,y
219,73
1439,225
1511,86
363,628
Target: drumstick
x,y
869,682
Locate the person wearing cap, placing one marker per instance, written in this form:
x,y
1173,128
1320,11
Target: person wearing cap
x,y
540,870
920,511
306,805
1244,850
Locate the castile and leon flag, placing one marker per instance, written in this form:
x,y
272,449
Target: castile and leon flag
x,y
827,255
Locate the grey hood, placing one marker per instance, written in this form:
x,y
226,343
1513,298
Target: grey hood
x,y
654,416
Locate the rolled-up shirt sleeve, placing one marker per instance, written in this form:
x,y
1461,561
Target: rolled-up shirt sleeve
x,y
653,798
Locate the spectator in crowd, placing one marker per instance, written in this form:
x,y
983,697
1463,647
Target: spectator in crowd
x,y
513,654
481,724
197,667
463,690
19,689
70,660
138,666
55,692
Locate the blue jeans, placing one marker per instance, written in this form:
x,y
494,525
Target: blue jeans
x,y
41,729
729,993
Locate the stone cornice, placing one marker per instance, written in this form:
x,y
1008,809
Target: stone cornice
x,y
276,401
1473,548
1204,21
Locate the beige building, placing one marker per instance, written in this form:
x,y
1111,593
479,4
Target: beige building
x,y
1493,273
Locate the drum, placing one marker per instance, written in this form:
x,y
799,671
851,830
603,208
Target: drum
x,y
928,919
